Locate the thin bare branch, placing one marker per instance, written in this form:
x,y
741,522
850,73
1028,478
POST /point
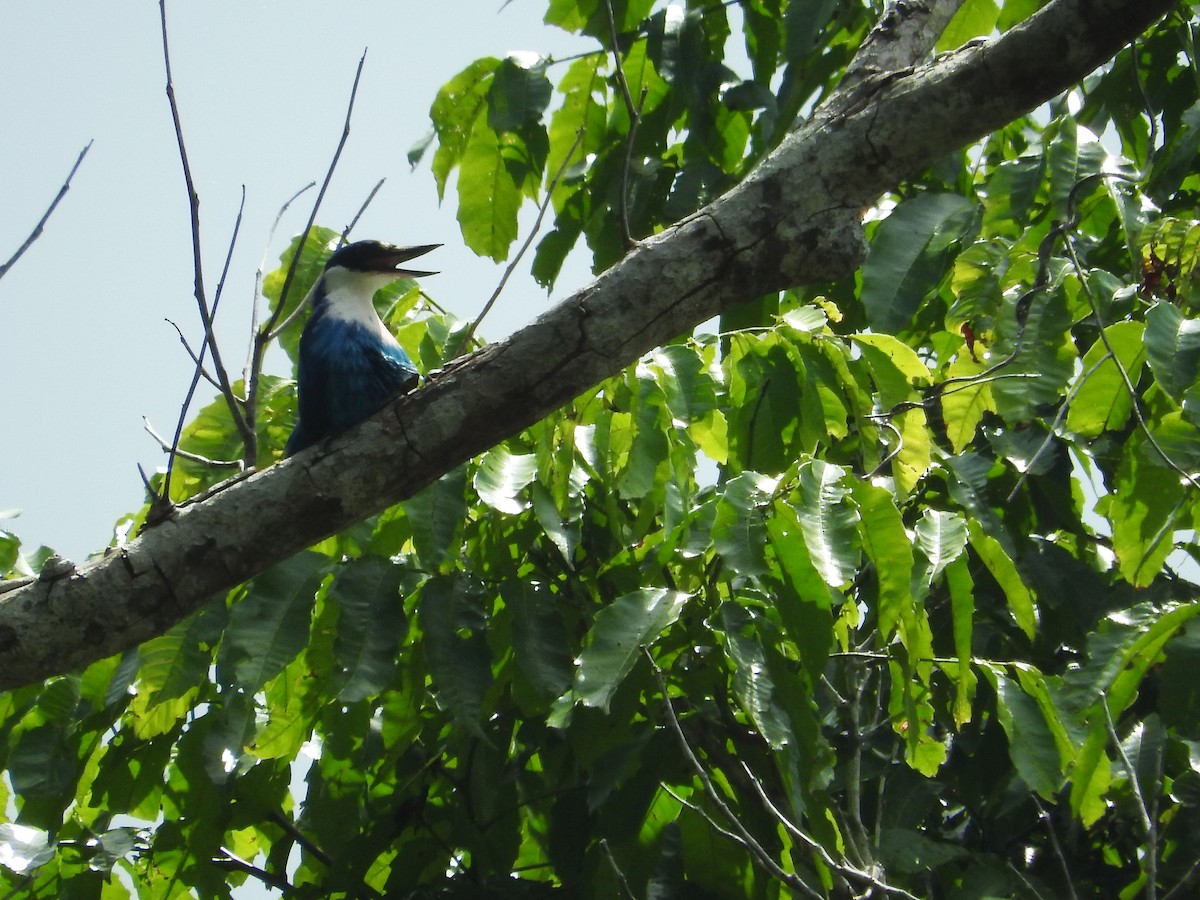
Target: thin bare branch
x,y
843,868
362,209
1056,847
37,229
258,276
263,337
635,118
757,852
621,879
537,224
1139,801
186,454
192,353
206,316
199,370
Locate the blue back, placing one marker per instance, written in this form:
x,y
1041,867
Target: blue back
x,y
346,373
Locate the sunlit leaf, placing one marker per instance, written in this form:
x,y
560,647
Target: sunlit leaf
x,y
501,478
942,537
616,638
910,255
1004,570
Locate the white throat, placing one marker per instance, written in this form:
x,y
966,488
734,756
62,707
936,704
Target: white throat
x,y
348,296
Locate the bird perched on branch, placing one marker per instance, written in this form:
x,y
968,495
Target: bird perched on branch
x,y
350,364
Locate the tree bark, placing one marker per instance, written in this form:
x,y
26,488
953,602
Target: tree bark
x,y
794,220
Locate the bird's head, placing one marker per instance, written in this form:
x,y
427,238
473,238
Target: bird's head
x,y
376,257
355,272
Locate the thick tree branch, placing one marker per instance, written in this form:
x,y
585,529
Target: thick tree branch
x,y
794,220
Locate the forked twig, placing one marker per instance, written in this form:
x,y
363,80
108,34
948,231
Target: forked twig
x,y
738,832
187,454
199,370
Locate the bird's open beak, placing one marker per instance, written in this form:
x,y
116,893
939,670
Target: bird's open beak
x,y
391,258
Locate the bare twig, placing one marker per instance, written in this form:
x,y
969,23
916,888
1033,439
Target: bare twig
x,y
235,863
635,118
193,354
264,335
742,834
187,454
621,879
362,209
537,224
245,429
258,276
301,838
199,370
1056,847
842,868
37,229
1148,824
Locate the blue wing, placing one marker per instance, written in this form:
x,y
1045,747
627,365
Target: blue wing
x,y
346,373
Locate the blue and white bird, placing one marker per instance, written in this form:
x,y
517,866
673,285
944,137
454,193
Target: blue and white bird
x,y
350,364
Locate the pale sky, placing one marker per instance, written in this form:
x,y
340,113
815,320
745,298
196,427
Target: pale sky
x,y
85,352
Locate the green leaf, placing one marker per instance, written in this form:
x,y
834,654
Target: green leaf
x,y
752,678
615,640
1103,402
890,550
962,612
895,366
805,602
436,516
371,625
518,95
454,112
1045,360
688,386
1031,745
453,614
910,255
766,400
1004,570
1172,348
269,626
965,404
828,520
942,537
502,476
540,643
1179,700
738,531
975,18
1141,510
488,194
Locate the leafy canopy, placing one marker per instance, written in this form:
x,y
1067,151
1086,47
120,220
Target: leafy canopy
x,y
883,583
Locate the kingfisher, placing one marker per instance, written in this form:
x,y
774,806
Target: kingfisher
x,y
350,364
